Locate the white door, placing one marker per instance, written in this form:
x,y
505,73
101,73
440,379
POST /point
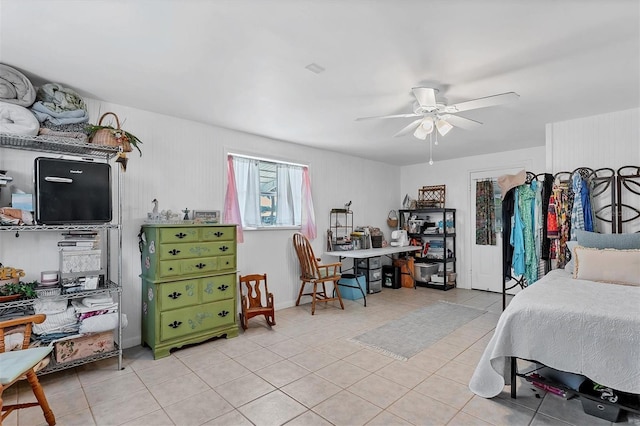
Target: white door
x,y
486,260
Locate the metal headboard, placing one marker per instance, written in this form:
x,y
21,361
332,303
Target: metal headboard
x,y
628,205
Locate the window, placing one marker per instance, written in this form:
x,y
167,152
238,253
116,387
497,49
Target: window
x,y
269,192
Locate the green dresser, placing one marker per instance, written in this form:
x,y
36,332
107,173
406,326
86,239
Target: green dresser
x,y
188,285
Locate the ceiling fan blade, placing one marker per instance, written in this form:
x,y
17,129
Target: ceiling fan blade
x,y
462,122
426,97
410,128
413,114
500,99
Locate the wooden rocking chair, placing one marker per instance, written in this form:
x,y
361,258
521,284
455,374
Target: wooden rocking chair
x,y
252,301
15,365
312,272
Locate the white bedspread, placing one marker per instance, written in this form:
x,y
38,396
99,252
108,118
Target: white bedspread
x,y
577,326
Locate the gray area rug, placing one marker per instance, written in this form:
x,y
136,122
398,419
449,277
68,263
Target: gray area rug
x,y
404,337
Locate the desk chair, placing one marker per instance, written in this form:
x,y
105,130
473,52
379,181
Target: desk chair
x,y
18,364
311,272
251,300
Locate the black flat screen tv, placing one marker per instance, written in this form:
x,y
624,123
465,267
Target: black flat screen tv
x,y
72,191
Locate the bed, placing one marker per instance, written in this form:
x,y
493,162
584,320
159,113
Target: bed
x,y
572,325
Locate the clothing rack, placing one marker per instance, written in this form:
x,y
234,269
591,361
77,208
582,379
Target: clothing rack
x,y
612,195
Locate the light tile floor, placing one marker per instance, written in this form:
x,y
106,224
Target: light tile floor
x,y
304,371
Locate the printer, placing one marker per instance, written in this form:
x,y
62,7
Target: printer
x,y
399,238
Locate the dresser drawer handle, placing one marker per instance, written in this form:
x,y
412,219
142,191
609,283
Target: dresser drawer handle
x,y
223,314
175,324
219,234
171,268
223,287
201,265
224,248
181,235
174,252
175,295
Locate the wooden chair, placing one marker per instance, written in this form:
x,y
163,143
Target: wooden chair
x,y
18,364
312,272
251,302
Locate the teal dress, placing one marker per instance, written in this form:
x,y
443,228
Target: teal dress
x,y
517,239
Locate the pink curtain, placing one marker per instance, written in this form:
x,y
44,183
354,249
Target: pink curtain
x,y
231,205
308,217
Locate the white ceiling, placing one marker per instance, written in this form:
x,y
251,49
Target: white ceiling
x,y
240,64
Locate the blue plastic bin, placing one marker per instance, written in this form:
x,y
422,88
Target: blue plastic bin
x,y
349,292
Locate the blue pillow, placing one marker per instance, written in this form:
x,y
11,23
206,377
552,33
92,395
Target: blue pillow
x,y
614,241
569,267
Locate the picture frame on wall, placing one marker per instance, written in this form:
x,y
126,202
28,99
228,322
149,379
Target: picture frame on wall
x,y
207,216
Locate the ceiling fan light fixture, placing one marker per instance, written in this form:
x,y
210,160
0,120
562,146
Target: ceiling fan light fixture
x,y
443,126
420,133
425,128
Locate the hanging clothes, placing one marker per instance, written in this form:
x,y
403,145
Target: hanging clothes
x,y
547,187
526,202
564,203
585,195
508,205
517,238
553,231
485,214
577,212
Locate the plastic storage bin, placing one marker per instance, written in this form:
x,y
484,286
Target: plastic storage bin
x,y
352,280
424,271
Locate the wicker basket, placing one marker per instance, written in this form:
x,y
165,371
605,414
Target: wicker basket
x,y
111,137
431,197
392,219
48,291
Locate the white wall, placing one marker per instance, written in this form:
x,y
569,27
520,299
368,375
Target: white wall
x,y
607,140
184,166
455,174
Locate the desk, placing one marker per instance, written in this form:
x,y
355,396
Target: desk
x,y
373,252
366,253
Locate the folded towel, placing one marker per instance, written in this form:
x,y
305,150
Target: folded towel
x,y
56,322
96,301
17,120
81,308
44,113
57,98
15,87
100,323
49,307
73,135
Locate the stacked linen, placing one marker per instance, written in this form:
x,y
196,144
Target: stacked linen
x,y
17,120
97,314
15,87
59,105
16,94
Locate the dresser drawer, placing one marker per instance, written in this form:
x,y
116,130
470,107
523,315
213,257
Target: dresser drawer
x,y
221,233
178,294
196,319
170,268
176,235
189,250
226,263
201,265
218,288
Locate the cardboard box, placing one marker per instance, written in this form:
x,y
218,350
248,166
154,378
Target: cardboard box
x,y
83,346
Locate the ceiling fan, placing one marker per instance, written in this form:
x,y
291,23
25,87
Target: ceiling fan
x,y
437,115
